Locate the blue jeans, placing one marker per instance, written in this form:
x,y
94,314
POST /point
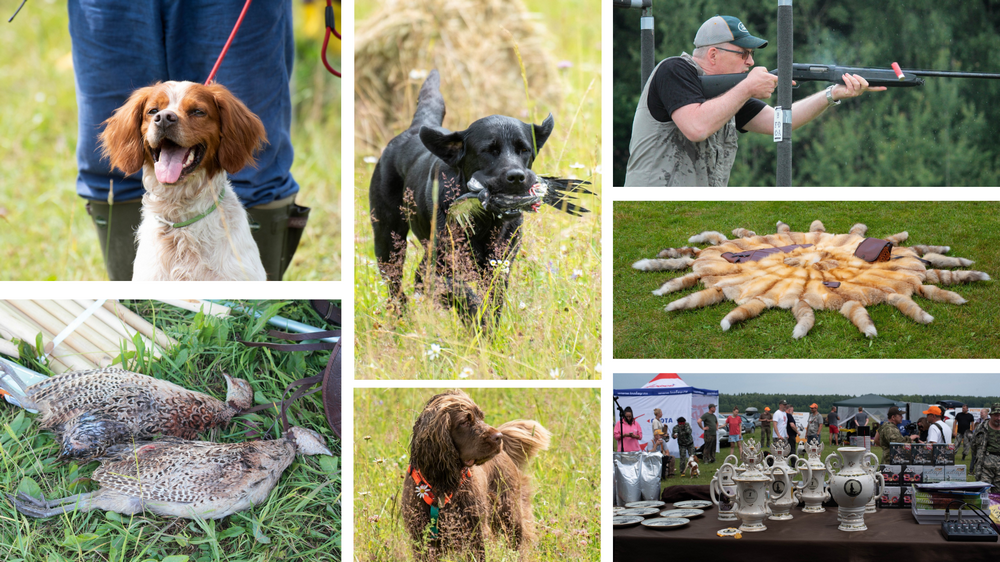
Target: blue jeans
x,y
121,45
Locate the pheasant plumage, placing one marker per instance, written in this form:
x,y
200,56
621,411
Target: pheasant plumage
x,y
178,478
91,410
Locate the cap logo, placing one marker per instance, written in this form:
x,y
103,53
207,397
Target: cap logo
x,y
742,28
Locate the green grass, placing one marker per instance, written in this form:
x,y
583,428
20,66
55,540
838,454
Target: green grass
x,y
565,478
300,520
643,329
551,325
707,470
40,213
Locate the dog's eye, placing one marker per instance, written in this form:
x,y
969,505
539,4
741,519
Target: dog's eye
x,y
196,113
152,111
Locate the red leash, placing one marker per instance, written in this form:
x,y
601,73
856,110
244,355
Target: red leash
x,y
225,49
331,26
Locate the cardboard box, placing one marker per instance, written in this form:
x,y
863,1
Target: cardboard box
x,y
912,474
944,453
891,473
900,453
891,497
934,474
923,454
956,473
906,498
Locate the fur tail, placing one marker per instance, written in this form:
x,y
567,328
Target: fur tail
x,y
430,103
523,439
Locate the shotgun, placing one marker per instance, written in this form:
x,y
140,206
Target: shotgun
x,y
718,84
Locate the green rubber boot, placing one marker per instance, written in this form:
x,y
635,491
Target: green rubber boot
x,y
116,226
277,229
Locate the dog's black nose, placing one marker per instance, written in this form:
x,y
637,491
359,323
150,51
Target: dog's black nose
x,y
165,118
515,177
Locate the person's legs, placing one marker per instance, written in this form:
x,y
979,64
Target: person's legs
x,y
257,70
108,64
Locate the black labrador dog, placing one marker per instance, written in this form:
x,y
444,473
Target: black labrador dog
x,y
462,194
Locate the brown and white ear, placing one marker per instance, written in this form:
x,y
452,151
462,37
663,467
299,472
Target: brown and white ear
x,y
243,134
121,142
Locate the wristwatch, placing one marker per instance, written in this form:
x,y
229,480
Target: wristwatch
x,y
829,97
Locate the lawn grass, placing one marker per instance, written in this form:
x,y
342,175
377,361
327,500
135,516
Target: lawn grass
x,y
565,478
300,520
707,470
40,212
551,324
642,329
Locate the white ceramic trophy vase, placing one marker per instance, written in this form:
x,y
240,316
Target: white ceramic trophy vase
x,y
723,490
879,482
752,489
781,504
814,493
852,485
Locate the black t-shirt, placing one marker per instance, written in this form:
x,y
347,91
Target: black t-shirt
x,y
793,430
964,421
676,84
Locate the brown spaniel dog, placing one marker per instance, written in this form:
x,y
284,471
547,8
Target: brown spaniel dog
x,y
466,479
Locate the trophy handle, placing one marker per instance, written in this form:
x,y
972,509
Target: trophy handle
x,y
711,489
800,465
871,465
772,461
734,462
833,461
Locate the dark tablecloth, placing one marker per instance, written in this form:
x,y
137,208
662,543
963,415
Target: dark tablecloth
x,y
892,535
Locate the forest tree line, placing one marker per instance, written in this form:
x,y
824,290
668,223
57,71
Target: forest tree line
x,y
801,402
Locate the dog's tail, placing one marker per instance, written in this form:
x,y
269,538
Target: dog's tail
x,y
430,103
523,439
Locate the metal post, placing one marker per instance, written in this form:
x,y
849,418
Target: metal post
x,y
783,111
646,51
646,55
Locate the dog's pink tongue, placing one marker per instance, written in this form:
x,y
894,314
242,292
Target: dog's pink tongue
x,y
168,168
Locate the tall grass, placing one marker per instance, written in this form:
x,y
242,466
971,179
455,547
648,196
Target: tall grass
x,y
565,478
550,326
40,213
300,520
643,329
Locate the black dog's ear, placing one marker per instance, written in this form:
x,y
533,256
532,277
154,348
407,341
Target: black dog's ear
x,y
543,131
444,144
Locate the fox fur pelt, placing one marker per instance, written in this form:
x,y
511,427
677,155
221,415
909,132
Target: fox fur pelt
x,y
795,280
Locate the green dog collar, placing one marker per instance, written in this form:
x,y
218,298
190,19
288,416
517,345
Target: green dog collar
x,y
191,221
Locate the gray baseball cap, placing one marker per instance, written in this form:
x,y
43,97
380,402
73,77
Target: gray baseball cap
x,y
726,29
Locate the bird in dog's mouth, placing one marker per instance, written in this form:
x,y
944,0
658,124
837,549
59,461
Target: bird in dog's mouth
x,y
173,162
557,192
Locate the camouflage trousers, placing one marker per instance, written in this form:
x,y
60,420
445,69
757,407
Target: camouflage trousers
x,y
964,443
683,452
709,450
989,471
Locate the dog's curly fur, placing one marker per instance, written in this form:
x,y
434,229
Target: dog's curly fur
x,y
449,436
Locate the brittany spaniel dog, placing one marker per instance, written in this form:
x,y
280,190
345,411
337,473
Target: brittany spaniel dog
x,y
692,467
185,137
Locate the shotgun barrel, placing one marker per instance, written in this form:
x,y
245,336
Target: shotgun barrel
x,y
718,84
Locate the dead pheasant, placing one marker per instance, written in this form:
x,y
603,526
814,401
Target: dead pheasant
x,y
91,410
177,478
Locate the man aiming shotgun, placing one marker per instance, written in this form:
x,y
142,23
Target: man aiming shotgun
x,y
682,137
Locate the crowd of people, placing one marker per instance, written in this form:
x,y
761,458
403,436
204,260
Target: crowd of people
x,y
981,439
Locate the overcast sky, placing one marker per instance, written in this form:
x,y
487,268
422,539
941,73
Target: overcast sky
x,y
854,384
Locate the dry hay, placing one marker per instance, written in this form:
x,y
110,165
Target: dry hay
x,y
465,40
